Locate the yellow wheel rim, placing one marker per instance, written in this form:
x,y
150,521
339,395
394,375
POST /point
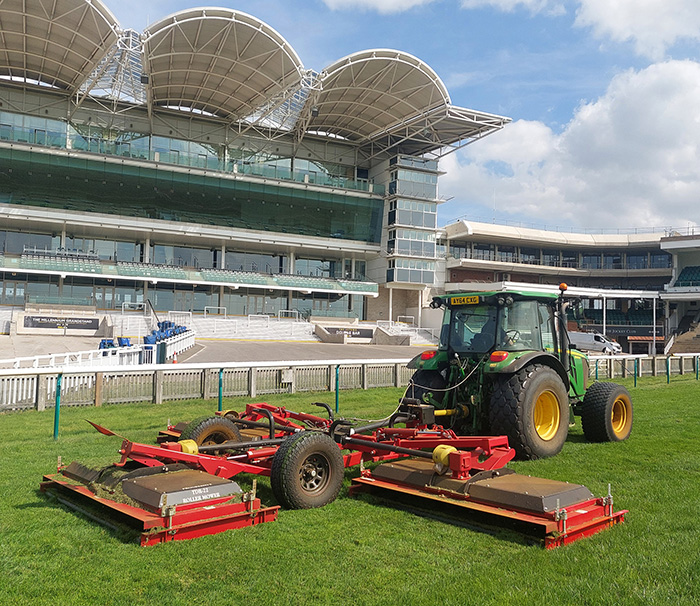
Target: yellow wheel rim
x,y
547,417
620,416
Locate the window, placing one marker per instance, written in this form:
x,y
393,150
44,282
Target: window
x,y
590,261
530,256
551,258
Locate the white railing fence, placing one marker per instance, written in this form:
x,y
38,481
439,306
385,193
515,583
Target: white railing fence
x,y
28,388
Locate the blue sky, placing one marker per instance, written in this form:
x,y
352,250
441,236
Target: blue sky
x,y
604,96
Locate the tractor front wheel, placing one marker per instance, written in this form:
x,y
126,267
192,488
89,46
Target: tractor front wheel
x,y
606,413
531,407
307,471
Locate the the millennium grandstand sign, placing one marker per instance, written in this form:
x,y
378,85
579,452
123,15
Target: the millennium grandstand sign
x,y
61,322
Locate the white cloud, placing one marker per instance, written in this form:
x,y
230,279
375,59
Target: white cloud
x,y
652,25
628,159
381,6
534,6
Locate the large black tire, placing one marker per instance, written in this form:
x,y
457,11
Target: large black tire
x,y
606,413
307,471
531,407
211,430
427,382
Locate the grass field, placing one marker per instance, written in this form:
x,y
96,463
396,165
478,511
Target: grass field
x,y
360,551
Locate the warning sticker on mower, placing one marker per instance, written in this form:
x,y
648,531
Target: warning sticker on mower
x,y
473,300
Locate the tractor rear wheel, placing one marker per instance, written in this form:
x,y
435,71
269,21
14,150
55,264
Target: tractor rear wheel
x,y
307,471
531,407
606,413
207,431
427,383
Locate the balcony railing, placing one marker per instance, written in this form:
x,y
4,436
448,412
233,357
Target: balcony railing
x,y
479,255
125,149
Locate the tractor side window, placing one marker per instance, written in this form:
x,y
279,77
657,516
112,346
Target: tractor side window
x,y
546,327
520,327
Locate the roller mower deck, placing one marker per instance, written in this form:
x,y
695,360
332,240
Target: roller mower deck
x,y
164,506
179,490
547,511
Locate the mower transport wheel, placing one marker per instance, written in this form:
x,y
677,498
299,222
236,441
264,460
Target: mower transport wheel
x,y
531,407
307,471
427,383
211,430
606,413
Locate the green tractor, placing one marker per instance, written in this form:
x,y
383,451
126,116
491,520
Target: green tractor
x,y
505,366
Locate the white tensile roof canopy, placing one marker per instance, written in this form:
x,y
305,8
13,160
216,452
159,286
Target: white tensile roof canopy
x,y
218,61
54,42
231,66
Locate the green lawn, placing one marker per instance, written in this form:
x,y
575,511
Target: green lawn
x,y
359,551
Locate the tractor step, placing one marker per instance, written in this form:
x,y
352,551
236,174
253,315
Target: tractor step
x,y
547,511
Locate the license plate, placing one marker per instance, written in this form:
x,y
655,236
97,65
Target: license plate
x,y
474,300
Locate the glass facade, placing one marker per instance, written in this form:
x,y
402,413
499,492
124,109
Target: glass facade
x,y
414,184
60,182
126,143
413,213
107,250
411,242
411,270
107,294
412,220
12,242
589,260
184,256
249,261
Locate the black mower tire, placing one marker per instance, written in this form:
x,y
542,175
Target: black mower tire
x,y
424,382
531,408
606,413
207,431
307,471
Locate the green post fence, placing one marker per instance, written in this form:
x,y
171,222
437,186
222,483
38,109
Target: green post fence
x,y
337,388
221,389
57,409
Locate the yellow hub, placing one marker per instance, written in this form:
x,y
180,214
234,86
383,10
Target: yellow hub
x,y
547,416
620,416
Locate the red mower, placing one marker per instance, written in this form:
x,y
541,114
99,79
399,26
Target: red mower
x,y
183,488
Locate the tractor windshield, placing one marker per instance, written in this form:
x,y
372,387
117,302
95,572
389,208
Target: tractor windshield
x,y
519,326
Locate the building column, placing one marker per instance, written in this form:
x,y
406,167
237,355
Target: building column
x,y
147,250
391,304
222,261
604,315
420,308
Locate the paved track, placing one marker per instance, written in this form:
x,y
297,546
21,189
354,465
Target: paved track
x,y
213,350
261,351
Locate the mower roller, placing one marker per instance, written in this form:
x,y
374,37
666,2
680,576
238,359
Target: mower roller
x,y
182,487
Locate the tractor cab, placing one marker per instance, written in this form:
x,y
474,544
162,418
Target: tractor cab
x,y
480,324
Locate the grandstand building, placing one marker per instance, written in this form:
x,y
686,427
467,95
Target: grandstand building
x,y
200,164
640,288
